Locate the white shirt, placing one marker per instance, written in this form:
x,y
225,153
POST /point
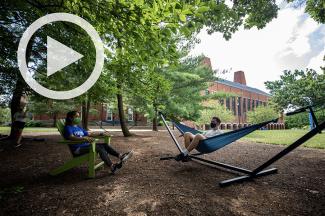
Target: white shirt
x,y
212,133
20,116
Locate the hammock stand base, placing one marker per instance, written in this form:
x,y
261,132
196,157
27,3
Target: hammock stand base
x,y
249,173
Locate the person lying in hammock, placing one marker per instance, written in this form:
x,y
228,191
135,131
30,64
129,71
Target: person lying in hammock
x,y
73,132
191,141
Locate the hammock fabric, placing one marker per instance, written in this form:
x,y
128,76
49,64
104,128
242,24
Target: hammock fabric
x,y
214,143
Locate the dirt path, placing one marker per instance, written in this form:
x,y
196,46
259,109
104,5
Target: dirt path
x,y
148,186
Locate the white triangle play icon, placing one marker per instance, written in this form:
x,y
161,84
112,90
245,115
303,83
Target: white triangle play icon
x,y
59,56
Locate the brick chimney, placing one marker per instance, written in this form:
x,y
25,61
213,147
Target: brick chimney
x,y
207,62
239,77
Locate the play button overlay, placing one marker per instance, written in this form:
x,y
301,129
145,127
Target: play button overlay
x,y
59,56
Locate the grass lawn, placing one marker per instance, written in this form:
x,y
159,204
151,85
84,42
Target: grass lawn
x,y
278,137
285,137
6,130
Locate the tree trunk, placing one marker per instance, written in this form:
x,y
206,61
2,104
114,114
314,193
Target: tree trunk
x,y
155,119
124,128
85,113
136,119
19,88
55,117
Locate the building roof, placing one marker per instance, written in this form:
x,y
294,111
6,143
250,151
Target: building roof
x,y
241,86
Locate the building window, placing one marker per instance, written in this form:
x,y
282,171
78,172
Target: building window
x,y
207,92
228,103
130,114
249,104
244,105
234,105
221,101
253,104
239,106
109,114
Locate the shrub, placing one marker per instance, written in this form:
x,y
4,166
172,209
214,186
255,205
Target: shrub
x,y
4,115
261,114
301,120
34,124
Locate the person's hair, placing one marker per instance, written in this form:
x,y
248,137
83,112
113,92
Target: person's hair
x,y
217,119
70,116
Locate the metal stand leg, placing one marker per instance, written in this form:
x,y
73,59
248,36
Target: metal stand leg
x,y
227,166
167,158
247,177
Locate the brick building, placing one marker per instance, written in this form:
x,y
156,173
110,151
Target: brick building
x,y
103,112
247,99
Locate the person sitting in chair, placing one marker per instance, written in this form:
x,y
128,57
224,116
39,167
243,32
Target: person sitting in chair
x,y
191,141
73,132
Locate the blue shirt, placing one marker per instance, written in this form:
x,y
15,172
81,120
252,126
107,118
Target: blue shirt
x,y
77,132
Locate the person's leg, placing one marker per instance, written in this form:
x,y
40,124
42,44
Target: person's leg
x,y
112,151
100,149
19,137
195,142
103,154
19,131
109,149
188,137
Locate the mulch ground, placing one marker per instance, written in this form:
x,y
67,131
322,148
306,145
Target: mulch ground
x,y
147,186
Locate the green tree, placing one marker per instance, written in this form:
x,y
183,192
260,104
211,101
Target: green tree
x,y
139,36
4,115
297,89
315,8
261,114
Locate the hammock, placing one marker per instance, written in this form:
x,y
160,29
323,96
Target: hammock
x,y
214,143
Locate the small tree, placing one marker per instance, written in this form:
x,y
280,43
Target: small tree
x,y
214,108
261,114
4,115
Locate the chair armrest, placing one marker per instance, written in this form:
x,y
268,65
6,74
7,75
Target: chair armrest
x,y
101,136
72,142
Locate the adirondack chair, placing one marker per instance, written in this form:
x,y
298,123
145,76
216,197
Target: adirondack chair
x,y
89,158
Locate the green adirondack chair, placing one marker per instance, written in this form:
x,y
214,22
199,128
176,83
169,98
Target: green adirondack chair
x,y
89,158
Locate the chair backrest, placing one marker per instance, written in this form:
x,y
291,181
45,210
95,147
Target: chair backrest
x,y
60,126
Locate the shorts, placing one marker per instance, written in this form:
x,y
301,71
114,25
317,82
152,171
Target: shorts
x,y
18,124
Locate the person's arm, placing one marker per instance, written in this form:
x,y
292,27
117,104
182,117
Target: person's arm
x,y
83,139
70,136
98,133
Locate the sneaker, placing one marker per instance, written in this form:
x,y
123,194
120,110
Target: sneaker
x,y
17,145
183,158
179,157
116,167
126,156
186,158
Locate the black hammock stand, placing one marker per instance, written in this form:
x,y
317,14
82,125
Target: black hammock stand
x,y
214,143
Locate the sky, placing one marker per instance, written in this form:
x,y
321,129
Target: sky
x,y
291,41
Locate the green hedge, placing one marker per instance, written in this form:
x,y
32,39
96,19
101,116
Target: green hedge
x,y
301,120
34,124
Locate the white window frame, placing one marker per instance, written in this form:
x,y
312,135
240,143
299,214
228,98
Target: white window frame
x,y
109,115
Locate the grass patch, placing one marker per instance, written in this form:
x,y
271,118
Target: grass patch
x,y
6,130
285,137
